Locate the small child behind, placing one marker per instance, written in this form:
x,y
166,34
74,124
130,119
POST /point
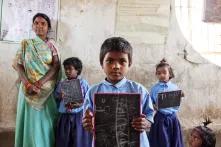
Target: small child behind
x,y
115,60
202,136
166,130
70,131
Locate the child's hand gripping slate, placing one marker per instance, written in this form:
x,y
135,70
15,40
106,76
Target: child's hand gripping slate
x,y
88,121
141,123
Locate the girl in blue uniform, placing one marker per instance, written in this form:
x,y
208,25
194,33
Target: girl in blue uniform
x,y
115,59
166,130
70,131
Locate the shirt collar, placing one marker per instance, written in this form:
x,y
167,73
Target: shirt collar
x,y
78,77
164,83
117,85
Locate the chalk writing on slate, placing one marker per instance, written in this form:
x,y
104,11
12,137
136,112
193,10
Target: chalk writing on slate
x,y
169,99
113,117
72,91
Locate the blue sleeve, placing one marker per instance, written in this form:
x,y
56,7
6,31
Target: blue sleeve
x,y
85,87
147,105
152,95
57,92
88,101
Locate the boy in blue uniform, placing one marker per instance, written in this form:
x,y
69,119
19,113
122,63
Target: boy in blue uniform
x,y
115,59
69,131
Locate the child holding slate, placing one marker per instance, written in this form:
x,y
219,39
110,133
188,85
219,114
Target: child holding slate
x,y
71,92
166,130
115,60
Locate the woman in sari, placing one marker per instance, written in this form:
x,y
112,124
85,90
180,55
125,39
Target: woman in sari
x,y
37,64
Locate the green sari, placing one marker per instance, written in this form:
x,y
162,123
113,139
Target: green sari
x,y
36,114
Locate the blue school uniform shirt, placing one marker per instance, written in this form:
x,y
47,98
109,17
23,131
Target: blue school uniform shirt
x,y
123,86
61,107
163,87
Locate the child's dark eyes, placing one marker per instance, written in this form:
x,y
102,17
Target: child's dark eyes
x,y
162,72
42,23
123,61
109,61
112,61
36,23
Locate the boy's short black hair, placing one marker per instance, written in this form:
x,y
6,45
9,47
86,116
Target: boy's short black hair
x,y
164,63
75,62
118,44
43,16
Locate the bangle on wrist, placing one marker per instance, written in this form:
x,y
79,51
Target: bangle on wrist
x,y
27,85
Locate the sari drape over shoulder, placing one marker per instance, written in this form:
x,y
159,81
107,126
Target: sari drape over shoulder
x,y
36,114
36,57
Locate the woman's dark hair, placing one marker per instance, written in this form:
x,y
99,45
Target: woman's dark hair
x,y
164,63
118,44
206,134
75,62
43,16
